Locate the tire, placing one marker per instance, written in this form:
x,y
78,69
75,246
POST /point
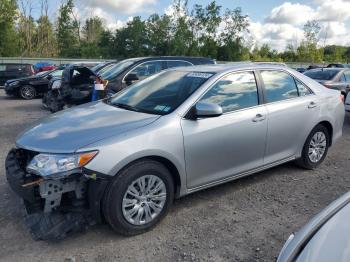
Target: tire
x,y
116,214
307,161
27,92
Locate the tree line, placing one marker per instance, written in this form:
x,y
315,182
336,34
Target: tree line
x,y
209,31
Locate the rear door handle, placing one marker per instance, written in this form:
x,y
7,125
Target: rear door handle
x,y
259,118
312,105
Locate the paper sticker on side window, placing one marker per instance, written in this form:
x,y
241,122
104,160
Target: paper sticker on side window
x,y
200,75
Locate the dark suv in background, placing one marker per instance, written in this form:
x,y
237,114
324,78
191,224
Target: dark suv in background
x,y
77,85
13,71
129,71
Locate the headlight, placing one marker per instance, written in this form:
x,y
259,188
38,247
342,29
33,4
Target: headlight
x,y
13,83
60,165
56,84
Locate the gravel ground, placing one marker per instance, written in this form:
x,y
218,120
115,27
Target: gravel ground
x,y
245,220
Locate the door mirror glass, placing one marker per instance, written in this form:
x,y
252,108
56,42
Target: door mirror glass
x,y
204,110
130,78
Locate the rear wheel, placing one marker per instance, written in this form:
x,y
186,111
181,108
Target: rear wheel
x,y
315,148
27,92
139,197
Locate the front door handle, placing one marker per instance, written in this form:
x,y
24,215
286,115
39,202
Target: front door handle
x,y
312,105
259,118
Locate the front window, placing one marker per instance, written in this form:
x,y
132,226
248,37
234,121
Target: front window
x,y
234,92
327,74
160,94
116,69
147,69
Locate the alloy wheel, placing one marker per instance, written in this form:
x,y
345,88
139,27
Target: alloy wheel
x,y
144,200
27,92
317,147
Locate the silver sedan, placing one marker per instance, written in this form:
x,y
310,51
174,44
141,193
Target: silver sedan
x,y
172,134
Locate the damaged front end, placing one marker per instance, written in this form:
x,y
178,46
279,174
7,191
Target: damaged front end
x,y
56,204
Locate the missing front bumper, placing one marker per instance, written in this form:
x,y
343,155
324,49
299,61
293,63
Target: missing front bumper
x,y
54,208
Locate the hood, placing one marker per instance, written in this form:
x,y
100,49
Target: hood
x,y
69,130
331,242
27,78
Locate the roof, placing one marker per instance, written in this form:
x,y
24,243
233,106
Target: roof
x,y
220,68
136,59
327,69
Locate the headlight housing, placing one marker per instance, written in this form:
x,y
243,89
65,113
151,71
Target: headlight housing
x,y
15,83
56,84
59,165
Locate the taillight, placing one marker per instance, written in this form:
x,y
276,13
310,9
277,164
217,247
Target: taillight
x,y
342,98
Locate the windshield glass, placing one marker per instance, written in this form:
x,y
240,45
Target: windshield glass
x,y
160,94
97,67
321,74
44,73
105,69
57,73
116,69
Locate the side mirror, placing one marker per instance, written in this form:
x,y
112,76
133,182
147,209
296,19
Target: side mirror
x,y
205,110
130,78
49,77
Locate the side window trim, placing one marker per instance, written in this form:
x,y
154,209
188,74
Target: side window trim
x,y
262,85
142,63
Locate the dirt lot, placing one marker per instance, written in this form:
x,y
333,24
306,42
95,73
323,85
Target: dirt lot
x,y
245,220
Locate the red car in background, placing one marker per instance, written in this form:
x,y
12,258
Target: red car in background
x,y
44,66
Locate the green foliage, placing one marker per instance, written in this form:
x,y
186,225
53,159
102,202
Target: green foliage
x,y
203,30
67,37
8,37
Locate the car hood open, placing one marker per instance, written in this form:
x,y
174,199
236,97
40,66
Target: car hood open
x,y
69,130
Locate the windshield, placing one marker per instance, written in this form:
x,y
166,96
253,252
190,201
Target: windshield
x,y
160,94
44,73
57,73
116,69
321,74
105,69
97,67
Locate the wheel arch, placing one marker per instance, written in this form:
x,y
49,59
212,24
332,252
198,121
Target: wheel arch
x,y
329,127
174,171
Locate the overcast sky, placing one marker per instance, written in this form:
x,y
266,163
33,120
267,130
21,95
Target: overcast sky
x,y
274,22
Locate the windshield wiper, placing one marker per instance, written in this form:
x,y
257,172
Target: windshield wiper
x,y
125,106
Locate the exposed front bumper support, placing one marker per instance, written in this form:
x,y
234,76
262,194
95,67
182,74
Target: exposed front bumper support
x,y
55,207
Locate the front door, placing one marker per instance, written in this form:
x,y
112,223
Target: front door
x,y
220,147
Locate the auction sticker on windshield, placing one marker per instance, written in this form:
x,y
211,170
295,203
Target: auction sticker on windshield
x,y
200,75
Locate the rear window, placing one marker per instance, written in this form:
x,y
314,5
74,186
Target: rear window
x,y
322,74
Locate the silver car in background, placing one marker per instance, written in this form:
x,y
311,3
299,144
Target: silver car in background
x,y
127,157
325,238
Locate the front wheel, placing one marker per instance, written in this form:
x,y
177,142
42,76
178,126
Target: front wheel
x,y
139,197
27,92
315,148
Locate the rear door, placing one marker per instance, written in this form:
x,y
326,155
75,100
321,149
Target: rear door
x,y
220,147
292,113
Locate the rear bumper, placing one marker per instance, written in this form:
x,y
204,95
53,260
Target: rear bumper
x,y
54,207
